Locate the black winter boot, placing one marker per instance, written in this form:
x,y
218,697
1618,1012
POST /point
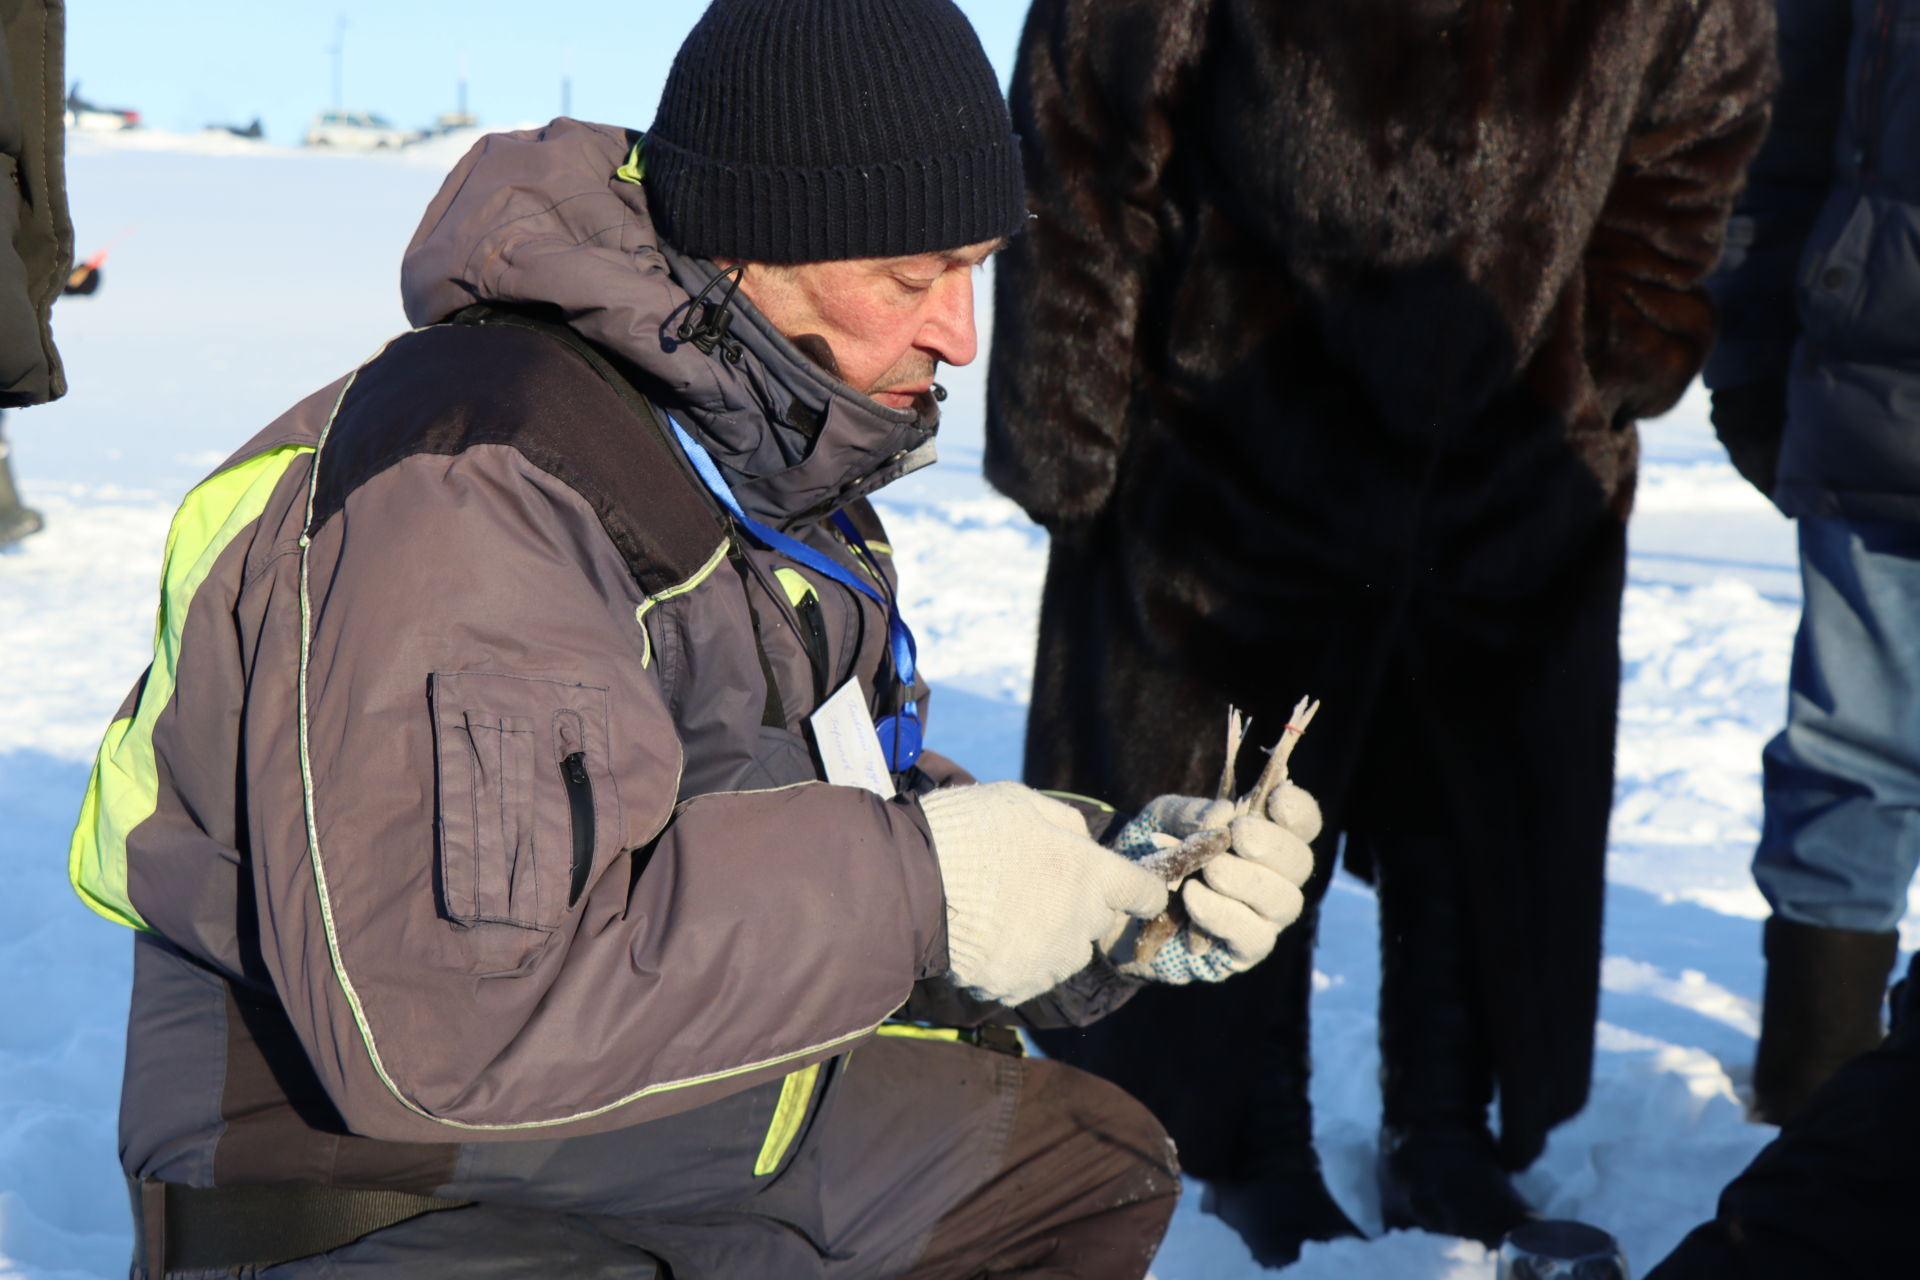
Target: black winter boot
x,y
16,521
1447,1179
1275,1196
1825,989
1440,1170
1277,1213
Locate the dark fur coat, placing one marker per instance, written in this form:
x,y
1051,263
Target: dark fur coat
x,y
1321,360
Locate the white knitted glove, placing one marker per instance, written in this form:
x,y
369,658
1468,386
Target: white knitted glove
x,y
1239,900
1029,893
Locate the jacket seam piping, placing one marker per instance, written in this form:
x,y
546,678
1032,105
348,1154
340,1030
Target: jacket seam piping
x,y
678,589
681,588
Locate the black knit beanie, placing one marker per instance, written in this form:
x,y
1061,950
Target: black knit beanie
x,y
807,130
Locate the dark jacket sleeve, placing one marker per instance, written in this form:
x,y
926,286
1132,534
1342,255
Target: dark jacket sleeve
x,y
1090,101
934,771
36,235
1834,1194
1086,997
1786,185
1661,229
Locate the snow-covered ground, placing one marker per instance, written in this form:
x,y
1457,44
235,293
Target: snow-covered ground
x,y
249,275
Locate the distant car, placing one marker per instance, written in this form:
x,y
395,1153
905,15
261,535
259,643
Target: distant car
x,y
85,117
252,132
357,131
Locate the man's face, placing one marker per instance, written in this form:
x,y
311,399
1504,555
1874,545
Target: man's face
x,y
881,325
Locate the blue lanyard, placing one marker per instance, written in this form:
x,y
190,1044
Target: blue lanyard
x,y
900,733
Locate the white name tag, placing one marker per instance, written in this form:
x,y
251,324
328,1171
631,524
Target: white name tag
x,y
849,749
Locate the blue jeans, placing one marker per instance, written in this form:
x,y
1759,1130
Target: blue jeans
x,y
1841,835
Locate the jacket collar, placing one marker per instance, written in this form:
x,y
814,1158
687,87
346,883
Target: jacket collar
x,y
543,217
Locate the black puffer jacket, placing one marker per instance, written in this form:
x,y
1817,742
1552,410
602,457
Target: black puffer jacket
x,y
36,235
1818,366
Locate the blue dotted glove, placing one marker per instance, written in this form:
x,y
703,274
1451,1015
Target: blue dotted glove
x,y
1239,878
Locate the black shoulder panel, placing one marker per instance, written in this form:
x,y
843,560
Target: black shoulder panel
x,y
444,389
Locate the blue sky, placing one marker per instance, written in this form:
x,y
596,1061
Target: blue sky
x,y
184,65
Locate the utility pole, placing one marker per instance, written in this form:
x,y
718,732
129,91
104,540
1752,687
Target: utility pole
x,y
339,52
566,83
463,86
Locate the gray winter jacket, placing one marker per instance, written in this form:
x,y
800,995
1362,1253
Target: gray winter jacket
x,y
1820,287
467,797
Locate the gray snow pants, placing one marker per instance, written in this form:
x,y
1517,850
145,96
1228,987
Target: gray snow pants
x,y
933,1160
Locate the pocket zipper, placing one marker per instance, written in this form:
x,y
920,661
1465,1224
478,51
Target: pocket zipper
x,y
573,770
810,625
813,631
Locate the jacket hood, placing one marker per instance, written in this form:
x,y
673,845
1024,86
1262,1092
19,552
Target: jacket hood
x,y
544,217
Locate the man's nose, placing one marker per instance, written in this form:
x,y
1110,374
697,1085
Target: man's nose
x,y
949,333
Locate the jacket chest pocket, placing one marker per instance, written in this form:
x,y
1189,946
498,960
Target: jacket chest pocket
x,y
525,813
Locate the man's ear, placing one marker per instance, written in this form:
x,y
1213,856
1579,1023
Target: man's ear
x,y
819,350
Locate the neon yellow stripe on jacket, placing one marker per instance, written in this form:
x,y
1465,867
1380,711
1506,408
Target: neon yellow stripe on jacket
x,y
635,169
796,586
124,790
795,1093
908,1031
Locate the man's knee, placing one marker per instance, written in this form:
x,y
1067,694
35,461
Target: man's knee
x,y
1086,1186
1104,1125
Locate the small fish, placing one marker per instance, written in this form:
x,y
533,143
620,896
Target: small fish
x,y
1174,863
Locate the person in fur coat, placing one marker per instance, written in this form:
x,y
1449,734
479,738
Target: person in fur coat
x,y
1321,363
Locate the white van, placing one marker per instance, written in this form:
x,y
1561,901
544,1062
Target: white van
x,y
356,131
